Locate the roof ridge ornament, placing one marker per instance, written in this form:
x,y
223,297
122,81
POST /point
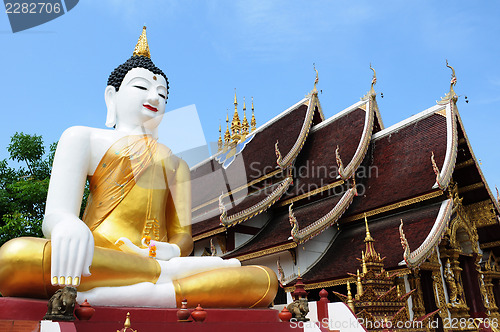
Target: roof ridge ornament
x,y
451,95
371,92
142,47
253,122
316,80
314,91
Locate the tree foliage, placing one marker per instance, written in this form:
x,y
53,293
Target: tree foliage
x,y
23,190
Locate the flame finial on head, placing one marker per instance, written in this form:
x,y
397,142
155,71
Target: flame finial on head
x,y
142,47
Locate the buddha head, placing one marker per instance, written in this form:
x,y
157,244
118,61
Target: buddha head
x,y
137,92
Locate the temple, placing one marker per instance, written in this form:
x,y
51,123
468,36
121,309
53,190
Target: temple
x,y
315,195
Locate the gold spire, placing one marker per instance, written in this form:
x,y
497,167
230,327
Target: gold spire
x,y
368,237
227,134
350,302
220,144
244,123
370,253
359,286
363,262
235,124
142,47
253,123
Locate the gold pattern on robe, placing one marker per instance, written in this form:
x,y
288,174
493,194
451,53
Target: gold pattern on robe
x,y
130,195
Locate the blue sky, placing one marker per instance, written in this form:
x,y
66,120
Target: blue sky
x,y
54,75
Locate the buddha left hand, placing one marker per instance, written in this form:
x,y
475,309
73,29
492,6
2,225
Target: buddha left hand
x,y
164,250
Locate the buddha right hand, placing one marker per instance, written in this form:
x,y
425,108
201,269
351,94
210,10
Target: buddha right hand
x,y
164,250
72,252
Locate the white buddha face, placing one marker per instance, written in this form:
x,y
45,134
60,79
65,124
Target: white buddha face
x,y
140,101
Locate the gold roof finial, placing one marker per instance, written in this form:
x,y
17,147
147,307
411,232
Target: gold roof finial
x,y
126,325
374,80
372,92
298,268
227,134
142,47
451,95
315,90
220,144
359,286
244,123
350,302
368,237
253,122
235,124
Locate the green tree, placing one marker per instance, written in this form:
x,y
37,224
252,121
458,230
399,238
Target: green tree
x,y
23,190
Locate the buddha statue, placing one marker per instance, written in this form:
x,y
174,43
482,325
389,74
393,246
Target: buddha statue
x,y
130,247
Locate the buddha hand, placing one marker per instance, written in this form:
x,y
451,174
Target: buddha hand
x,y
72,252
164,250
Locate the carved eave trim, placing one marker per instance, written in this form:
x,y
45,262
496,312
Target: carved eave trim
x,y
496,204
444,176
289,159
359,155
394,206
414,259
259,207
209,233
268,251
318,226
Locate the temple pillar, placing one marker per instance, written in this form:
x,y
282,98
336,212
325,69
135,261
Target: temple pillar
x,y
417,296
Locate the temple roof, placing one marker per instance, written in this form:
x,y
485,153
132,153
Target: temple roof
x,y
243,178
407,170
340,258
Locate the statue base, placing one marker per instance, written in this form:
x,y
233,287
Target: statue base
x,y
19,314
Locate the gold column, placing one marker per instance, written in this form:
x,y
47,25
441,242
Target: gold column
x,y
417,296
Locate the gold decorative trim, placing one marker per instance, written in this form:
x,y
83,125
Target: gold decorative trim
x,y
311,193
495,202
482,213
209,233
470,187
343,281
249,184
394,206
441,112
268,251
489,245
465,164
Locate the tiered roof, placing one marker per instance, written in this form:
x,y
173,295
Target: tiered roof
x,y
401,172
